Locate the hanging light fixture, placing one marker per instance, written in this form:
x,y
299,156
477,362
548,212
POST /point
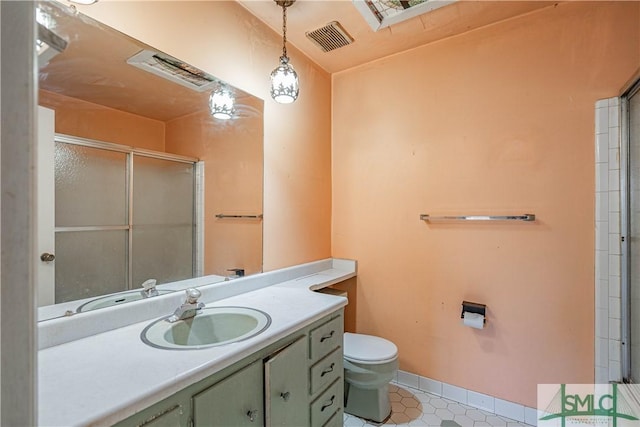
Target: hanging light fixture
x,y
221,102
284,80
84,2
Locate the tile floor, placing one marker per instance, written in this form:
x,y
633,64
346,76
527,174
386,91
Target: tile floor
x,y
411,407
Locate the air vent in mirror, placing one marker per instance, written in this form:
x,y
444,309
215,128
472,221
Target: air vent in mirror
x,y
173,69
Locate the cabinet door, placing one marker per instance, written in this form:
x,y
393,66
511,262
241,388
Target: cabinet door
x,y
172,417
235,401
286,395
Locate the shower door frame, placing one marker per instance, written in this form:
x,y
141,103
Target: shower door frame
x,y
198,199
625,228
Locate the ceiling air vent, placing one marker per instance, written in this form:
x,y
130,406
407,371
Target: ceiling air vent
x,y
331,36
172,69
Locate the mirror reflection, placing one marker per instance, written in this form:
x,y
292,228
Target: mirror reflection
x,y
139,185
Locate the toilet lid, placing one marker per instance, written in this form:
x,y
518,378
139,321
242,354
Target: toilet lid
x,y
368,349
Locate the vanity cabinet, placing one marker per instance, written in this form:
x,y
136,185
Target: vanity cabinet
x,y
170,417
234,401
326,388
296,382
286,384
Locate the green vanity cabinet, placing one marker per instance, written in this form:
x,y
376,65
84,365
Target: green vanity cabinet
x,y
235,401
326,372
172,416
286,384
295,382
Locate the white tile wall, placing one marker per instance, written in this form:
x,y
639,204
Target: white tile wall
x,y
432,386
607,244
477,400
510,410
481,401
455,393
408,379
531,416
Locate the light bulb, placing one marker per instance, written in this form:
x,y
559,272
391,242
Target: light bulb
x,y
284,82
221,103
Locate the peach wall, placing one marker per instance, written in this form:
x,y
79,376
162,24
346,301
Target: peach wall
x,y
498,120
225,40
233,161
87,120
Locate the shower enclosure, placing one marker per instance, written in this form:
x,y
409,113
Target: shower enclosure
x,y
631,245
122,216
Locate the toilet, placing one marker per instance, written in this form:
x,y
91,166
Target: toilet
x,y
370,363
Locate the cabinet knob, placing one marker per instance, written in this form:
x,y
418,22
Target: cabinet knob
x,y
285,396
47,257
326,405
252,414
327,336
327,370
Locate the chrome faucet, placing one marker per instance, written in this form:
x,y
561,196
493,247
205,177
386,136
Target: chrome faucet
x,y
149,289
189,307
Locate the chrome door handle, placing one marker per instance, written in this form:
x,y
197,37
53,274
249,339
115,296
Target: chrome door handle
x,y
47,257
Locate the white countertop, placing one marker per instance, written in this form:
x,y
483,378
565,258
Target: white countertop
x,y
104,378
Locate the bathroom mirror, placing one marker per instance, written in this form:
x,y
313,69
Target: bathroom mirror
x,y
135,128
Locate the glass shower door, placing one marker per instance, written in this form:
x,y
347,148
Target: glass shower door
x,y
163,220
634,235
121,217
91,222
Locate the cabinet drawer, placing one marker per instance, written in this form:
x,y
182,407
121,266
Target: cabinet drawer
x,y
326,370
326,404
325,338
337,420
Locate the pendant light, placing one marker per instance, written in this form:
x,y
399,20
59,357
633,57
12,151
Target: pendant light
x,y
221,103
284,80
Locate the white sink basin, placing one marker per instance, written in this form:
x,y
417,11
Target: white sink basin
x,y
213,326
115,299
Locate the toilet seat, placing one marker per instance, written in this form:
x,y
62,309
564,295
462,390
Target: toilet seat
x,y
367,349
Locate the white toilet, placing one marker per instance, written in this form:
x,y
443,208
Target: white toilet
x,y
369,364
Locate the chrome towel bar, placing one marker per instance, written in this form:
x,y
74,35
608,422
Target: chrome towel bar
x,y
525,217
221,216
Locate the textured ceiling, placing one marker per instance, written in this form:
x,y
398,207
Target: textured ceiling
x,y
369,45
93,68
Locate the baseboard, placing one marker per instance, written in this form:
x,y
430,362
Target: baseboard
x,y
515,411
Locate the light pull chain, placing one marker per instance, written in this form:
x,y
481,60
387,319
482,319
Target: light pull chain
x,y
284,30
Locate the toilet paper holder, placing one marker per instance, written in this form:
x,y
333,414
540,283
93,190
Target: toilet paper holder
x,y
474,307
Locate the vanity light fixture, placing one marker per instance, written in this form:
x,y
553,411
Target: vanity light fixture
x,y
284,80
221,102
